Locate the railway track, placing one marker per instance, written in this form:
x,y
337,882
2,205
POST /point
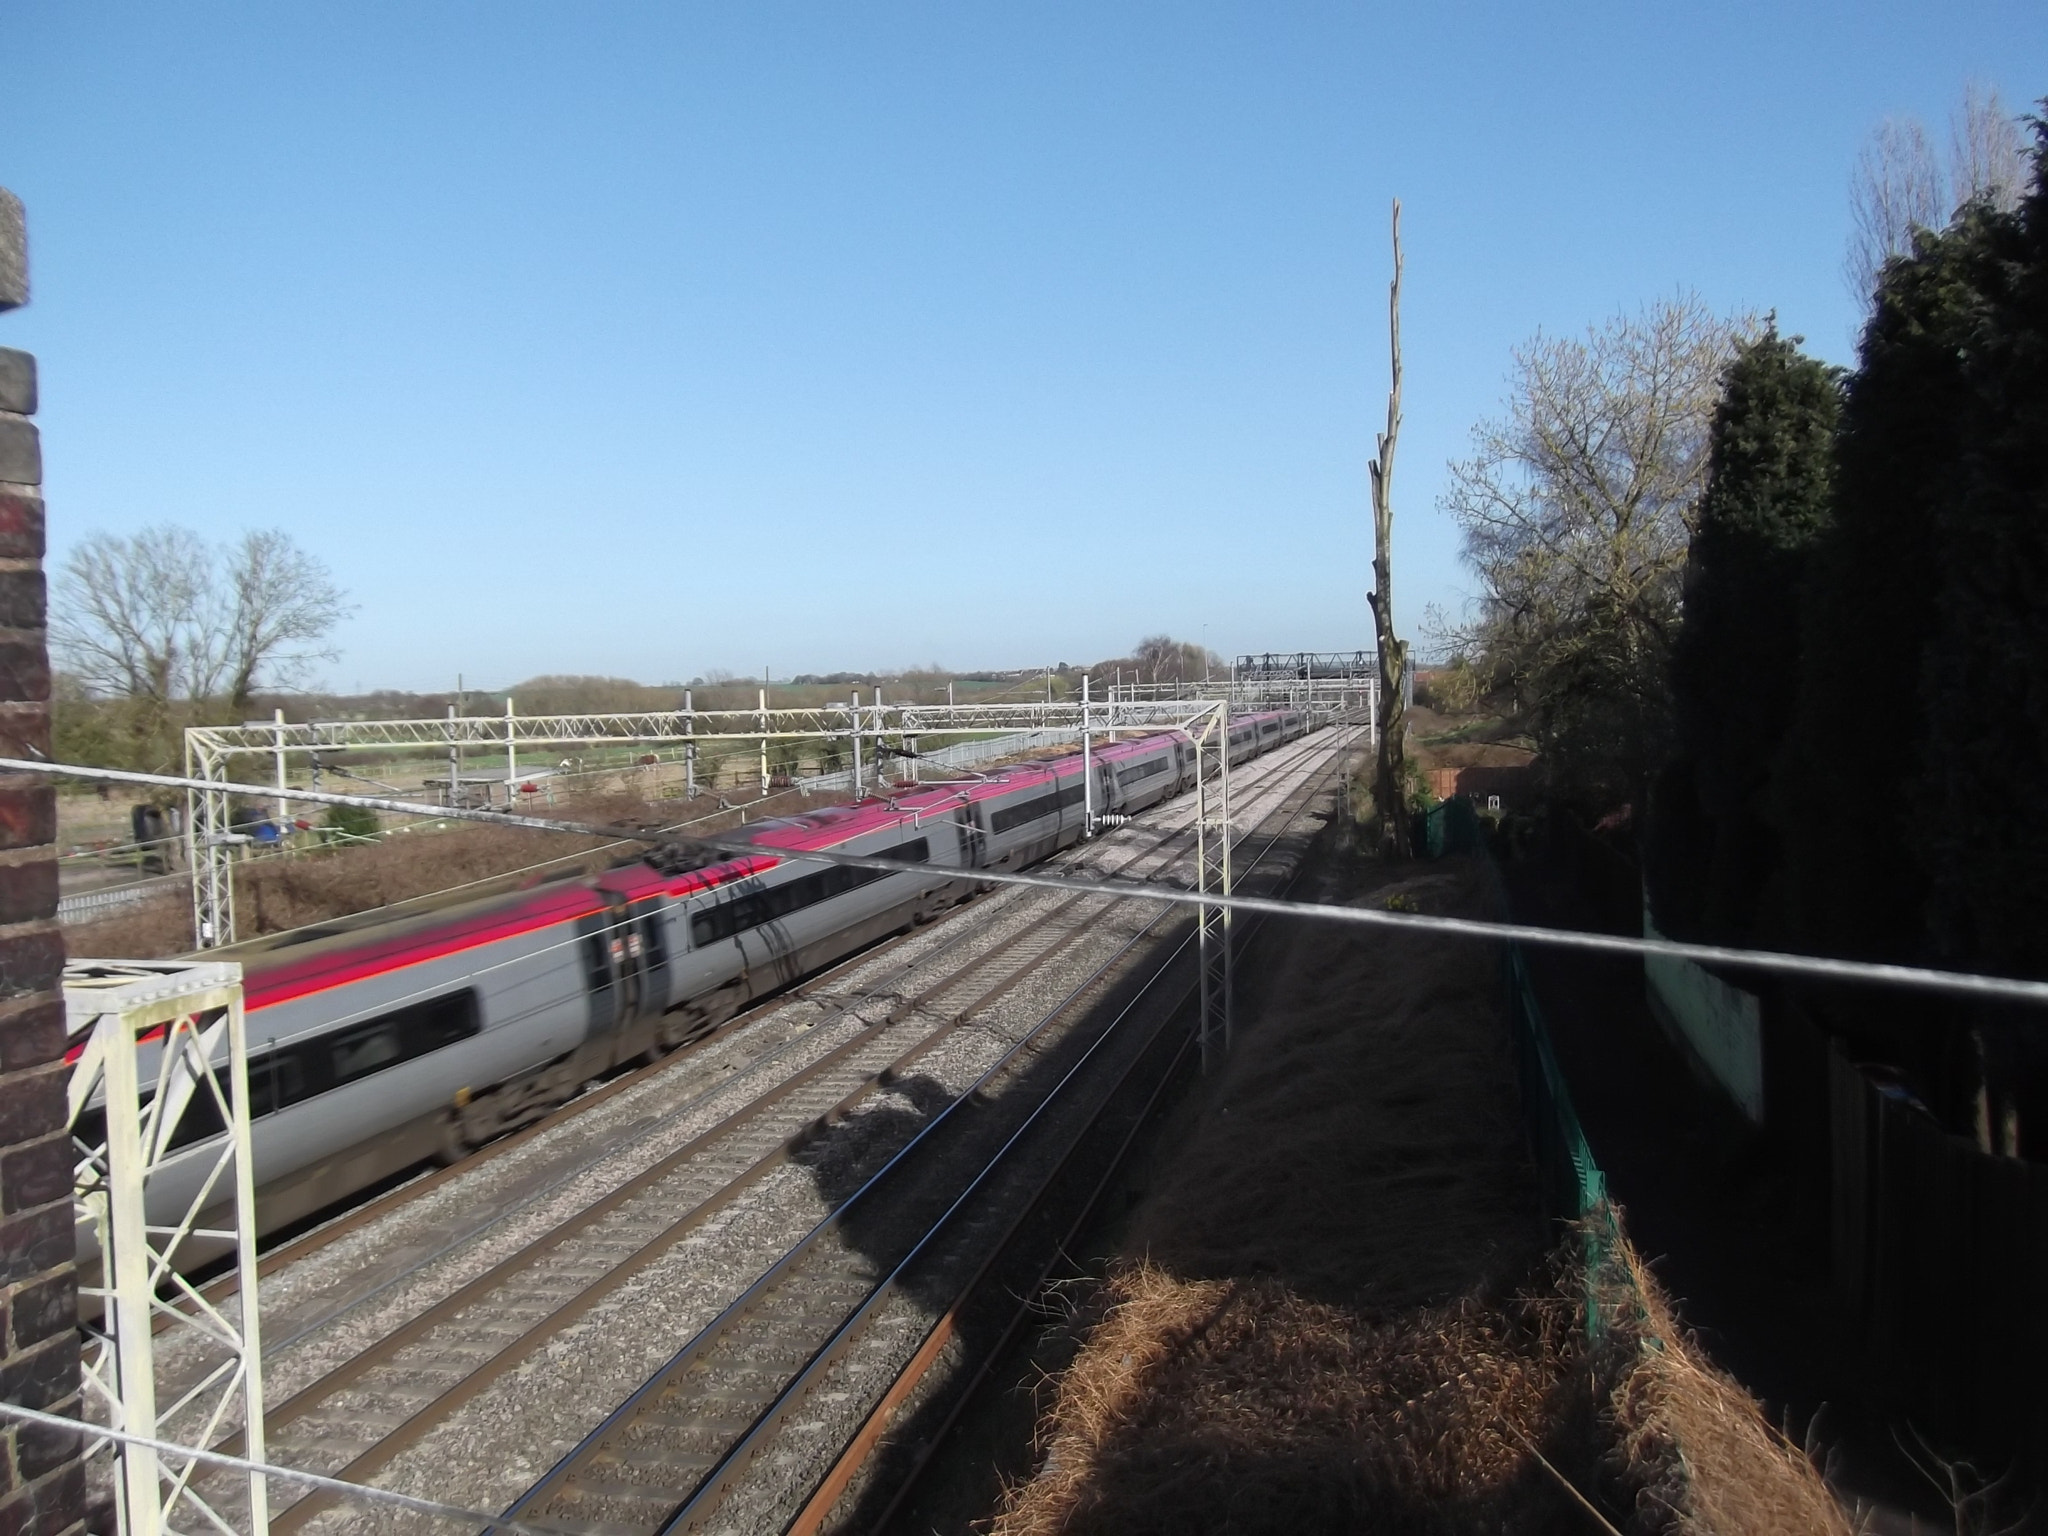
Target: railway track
x,y
720,1437
875,1483
357,1418
822,988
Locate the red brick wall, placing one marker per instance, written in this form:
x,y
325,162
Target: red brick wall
x,y
41,1482
1514,784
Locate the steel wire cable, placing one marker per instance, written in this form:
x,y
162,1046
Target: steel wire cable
x,y
267,1470
1285,767
1771,961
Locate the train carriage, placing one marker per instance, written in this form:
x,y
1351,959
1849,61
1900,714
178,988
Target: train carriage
x,y
377,1046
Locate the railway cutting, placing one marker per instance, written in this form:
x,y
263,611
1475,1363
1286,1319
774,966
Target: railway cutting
x,y
687,1300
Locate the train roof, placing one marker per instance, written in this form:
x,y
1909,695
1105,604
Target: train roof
x,y
283,967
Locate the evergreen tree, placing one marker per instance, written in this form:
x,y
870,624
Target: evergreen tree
x,y
1851,797
1768,500
1984,839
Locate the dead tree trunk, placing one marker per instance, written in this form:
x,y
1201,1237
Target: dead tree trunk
x,y
1390,783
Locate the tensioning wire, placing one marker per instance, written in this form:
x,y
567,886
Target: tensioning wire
x,y
1776,962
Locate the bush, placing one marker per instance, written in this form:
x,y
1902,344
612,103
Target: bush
x,y
348,823
1457,688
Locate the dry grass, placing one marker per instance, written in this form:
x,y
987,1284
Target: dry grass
x,y
1695,1449
1241,1406
1340,1309
1364,1141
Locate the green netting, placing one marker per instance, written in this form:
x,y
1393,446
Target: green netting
x,y
1451,826
1573,1187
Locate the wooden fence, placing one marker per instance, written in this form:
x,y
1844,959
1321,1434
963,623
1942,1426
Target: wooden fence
x,y
1940,1253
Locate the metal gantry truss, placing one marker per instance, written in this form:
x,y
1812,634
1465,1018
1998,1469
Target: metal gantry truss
x,y
122,1127
1307,666
1212,873
212,753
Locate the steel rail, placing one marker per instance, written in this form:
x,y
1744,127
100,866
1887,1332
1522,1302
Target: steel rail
x,y
691,1515
748,1302
726,1189
985,905
356,1217
869,1437
819,1505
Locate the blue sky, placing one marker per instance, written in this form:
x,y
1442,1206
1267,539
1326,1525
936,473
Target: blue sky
x,y
648,339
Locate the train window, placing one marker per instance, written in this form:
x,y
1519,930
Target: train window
x,y
284,1083
280,1077
364,1052
738,914
1036,808
200,1120
401,1035
1138,771
294,1073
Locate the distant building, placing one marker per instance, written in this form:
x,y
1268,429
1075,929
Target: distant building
x,y
1513,785
485,789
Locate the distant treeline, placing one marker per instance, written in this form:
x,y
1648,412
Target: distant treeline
x,y
102,727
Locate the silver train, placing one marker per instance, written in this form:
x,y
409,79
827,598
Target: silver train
x,y
377,1046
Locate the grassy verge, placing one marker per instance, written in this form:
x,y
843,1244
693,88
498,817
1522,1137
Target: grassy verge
x,y
1339,1307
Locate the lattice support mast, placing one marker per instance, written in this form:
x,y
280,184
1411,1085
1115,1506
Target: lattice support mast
x,y
1212,877
212,843
159,1040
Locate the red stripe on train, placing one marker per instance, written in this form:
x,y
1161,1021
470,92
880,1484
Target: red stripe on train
x,y
289,979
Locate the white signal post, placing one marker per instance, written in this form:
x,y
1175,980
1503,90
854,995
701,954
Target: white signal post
x,y
1212,876
1087,763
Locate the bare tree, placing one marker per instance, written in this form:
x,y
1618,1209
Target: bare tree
x,y
1901,182
124,609
1898,186
1390,782
160,616
282,604
1577,509
1156,655
1987,154
1163,659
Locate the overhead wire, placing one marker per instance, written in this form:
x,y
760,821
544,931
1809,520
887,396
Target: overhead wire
x,y
1772,962
361,1492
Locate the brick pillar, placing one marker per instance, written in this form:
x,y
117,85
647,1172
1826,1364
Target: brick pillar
x,y
42,1490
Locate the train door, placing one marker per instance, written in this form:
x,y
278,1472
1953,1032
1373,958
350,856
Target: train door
x,y
650,922
973,836
768,953
615,967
